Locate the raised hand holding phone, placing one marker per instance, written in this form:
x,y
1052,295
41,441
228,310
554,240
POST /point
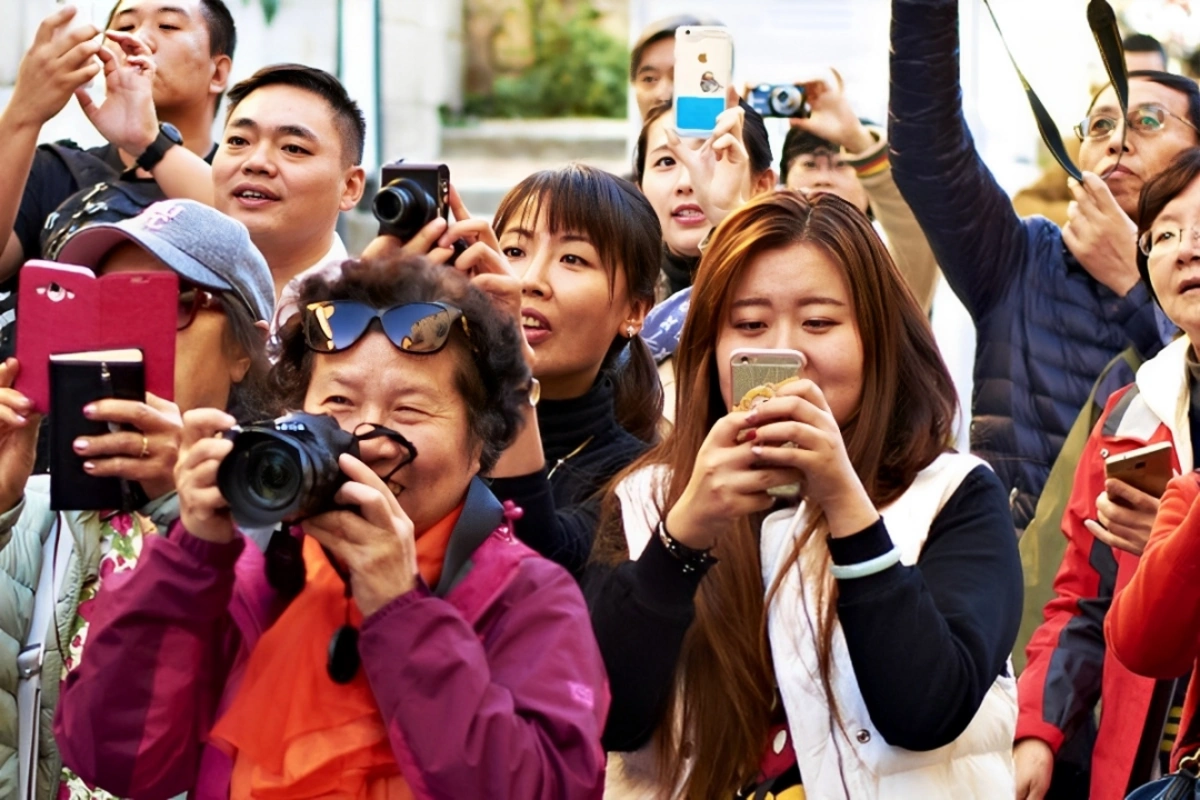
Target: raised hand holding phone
x,y
719,167
703,75
18,437
799,415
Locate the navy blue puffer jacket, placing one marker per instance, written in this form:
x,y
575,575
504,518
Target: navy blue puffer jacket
x,y
1044,327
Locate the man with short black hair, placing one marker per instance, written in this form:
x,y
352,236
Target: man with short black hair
x,y
185,46
289,163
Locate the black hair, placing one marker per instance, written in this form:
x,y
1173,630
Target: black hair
x,y
800,142
754,136
621,224
1185,86
1157,192
247,398
1143,43
347,115
222,30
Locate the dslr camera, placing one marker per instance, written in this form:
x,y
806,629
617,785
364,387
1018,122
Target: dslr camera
x,y
284,468
779,100
410,197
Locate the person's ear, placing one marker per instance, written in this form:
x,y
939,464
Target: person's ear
x,y
240,363
352,191
635,319
222,67
766,181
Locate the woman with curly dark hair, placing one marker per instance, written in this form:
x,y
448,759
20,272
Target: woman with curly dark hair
x,y
420,652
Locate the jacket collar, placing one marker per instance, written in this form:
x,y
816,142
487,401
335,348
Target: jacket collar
x,y
481,515
1162,385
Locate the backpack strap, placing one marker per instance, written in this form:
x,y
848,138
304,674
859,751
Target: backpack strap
x,y
56,553
86,168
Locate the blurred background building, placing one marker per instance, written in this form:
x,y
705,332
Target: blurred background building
x,y
500,88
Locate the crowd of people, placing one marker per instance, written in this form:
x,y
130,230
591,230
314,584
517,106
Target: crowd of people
x,y
553,550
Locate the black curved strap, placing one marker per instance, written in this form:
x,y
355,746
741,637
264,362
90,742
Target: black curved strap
x,y
1103,23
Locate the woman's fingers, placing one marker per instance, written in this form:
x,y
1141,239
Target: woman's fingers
x,y
205,423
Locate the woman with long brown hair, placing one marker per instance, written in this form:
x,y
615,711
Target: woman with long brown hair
x,y
880,611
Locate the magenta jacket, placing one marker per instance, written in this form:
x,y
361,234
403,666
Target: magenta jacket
x,y
492,685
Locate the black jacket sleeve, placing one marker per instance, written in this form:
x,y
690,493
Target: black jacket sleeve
x,y
564,535
979,240
641,611
928,641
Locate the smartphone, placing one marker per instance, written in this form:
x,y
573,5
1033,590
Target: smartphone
x,y
703,71
77,379
88,12
751,370
1146,469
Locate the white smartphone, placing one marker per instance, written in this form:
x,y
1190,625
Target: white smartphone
x,y
703,71
88,12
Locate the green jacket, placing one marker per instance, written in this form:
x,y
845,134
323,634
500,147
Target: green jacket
x,y
23,530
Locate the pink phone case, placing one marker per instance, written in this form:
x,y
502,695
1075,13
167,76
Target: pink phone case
x,y
66,309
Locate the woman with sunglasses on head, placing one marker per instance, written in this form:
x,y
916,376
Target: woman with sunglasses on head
x,y
412,647
585,246
693,184
225,299
857,644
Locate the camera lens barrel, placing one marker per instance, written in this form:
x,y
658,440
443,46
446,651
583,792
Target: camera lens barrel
x,y
284,469
403,207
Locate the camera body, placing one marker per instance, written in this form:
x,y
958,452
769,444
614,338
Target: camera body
x,y
285,468
410,196
779,100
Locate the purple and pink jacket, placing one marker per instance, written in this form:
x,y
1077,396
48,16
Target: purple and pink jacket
x,y
491,685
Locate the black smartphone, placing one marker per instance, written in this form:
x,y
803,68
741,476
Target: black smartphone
x,y
77,379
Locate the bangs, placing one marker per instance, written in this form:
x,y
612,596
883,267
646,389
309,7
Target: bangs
x,y
577,200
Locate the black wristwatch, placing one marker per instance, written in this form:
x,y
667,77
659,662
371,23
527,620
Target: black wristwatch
x,y
168,137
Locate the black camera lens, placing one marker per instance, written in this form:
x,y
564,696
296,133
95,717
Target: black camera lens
x,y
283,469
403,207
787,101
274,474
265,479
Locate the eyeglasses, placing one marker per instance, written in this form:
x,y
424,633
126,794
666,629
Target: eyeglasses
x,y
1160,242
1147,121
191,301
334,325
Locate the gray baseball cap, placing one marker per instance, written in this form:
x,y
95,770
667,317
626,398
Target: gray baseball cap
x,y
200,244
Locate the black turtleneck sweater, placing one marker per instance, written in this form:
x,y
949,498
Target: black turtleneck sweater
x,y
584,448
679,270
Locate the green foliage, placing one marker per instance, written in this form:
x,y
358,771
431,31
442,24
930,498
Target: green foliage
x,y
578,70
269,7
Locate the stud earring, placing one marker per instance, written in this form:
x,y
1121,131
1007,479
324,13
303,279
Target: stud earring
x,y
629,331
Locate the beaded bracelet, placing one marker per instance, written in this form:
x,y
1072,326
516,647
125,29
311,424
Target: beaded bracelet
x,y
693,560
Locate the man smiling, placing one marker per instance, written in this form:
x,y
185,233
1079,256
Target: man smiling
x,y
288,165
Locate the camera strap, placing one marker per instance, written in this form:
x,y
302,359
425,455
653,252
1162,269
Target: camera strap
x,y
1103,23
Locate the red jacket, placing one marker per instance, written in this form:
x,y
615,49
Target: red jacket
x,y
1069,668
491,687
1154,625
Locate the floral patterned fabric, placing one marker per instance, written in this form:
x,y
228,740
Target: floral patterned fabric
x,y
120,545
